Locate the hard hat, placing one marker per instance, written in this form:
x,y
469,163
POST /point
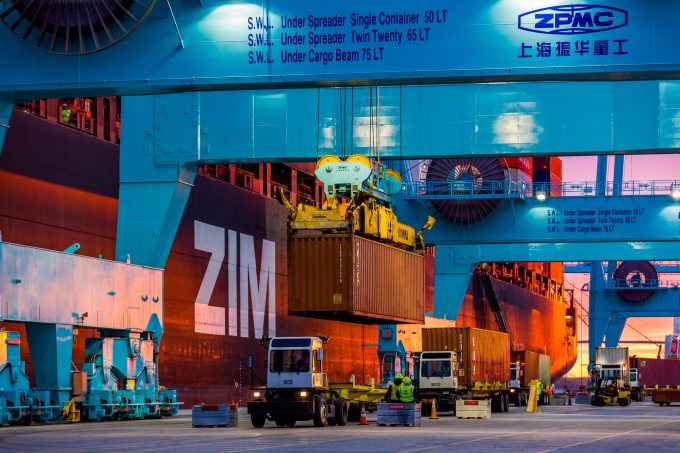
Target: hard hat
x,y
398,376
64,106
407,380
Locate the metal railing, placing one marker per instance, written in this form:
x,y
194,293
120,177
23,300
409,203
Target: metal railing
x,y
520,189
663,267
649,283
451,190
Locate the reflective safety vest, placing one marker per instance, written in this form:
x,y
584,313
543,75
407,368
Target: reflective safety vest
x,y
406,393
392,393
66,115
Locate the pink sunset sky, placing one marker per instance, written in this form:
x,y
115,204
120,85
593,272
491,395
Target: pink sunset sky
x,y
643,167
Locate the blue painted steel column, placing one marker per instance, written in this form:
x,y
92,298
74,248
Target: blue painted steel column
x,y
51,349
618,175
598,319
596,324
6,108
617,190
614,330
158,155
451,280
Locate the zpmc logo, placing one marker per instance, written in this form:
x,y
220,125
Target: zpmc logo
x,y
572,19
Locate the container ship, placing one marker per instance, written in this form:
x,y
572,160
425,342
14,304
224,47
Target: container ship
x,y
59,186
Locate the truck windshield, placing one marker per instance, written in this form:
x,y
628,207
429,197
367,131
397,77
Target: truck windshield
x,y
296,360
436,368
611,373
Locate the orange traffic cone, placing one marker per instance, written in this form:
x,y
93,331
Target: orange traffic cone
x,y
233,414
362,420
433,412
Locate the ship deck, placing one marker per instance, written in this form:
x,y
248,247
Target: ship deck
x,y
640,427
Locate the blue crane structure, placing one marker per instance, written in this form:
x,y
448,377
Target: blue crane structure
x,y
275,81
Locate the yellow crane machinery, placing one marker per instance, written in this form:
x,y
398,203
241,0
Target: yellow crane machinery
x,y
358,200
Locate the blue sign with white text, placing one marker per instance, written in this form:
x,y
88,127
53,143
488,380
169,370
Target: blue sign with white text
x,y
307,42
573,19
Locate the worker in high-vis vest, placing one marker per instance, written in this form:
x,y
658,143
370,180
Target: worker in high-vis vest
x,y
406,391
65,114
538,392
393,388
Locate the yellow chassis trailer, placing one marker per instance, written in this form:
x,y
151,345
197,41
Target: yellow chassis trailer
x,y
359,394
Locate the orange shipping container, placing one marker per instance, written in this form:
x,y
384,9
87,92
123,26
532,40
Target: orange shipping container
x,y
429,282
484,354
528,364
523,164
350,278
556,168
557,272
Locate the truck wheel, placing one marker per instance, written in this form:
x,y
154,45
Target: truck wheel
x,y
280,422
496,404
506,403
257,420
321,413
341,412
330,402
290,422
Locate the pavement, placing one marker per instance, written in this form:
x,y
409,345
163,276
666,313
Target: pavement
x,y
640,428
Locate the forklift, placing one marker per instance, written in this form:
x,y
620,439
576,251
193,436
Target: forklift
x,y
610,378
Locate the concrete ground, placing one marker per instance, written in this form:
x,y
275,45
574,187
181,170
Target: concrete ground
x,y
640,428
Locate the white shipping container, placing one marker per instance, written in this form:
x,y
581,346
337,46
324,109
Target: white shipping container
x,y
611,356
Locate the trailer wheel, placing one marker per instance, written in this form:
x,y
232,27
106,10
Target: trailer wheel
x,y
290,422
321,413
341,412
506,403
354,413
330,402
496,404
257,420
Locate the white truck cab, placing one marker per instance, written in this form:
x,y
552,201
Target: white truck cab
x,y
438,370
295,362
297,388
437,379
